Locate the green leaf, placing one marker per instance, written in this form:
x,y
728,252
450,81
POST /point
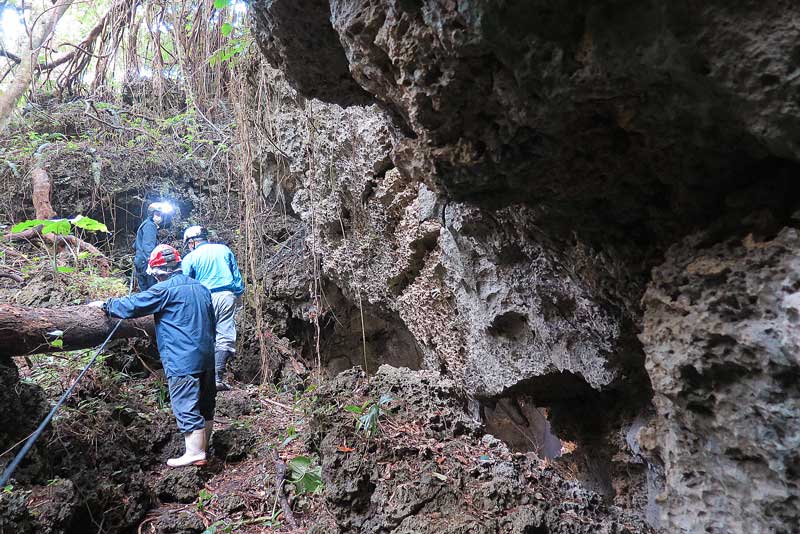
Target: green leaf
x,y
354,409
226,29
24,225
306,479
58,343
291,435
89,224
65,269
58,227
221,4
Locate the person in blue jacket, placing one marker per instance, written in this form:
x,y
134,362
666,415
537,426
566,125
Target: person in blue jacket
x,y
147,239
185,326
214,265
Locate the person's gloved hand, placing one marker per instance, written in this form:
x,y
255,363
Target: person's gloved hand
x,y
97,303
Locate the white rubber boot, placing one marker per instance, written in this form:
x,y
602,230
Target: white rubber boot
x,y
195,450
209,429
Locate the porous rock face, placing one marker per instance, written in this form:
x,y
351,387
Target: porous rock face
x,y
429,469
501,203
723,351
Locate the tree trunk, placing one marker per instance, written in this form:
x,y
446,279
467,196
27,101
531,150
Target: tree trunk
x,y
41,194
32,330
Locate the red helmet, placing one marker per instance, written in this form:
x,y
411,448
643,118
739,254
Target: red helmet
x,y
163,260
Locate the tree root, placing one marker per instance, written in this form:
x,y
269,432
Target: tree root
x,y
280,478
14,276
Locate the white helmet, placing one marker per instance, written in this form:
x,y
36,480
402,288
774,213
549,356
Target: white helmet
x,y
165,208
195,232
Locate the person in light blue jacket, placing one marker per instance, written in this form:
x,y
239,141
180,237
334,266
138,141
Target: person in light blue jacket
x,y
185,327
214,265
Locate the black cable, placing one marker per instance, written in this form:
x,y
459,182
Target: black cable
x,y
38,432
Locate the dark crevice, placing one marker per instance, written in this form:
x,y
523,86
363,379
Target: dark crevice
x,y
297,36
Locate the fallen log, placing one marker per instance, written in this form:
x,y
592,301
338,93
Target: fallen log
x,y
26,330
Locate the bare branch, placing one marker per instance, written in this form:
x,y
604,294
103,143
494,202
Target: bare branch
x,y
13,57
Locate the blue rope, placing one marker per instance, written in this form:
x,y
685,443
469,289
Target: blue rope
x,y
38,432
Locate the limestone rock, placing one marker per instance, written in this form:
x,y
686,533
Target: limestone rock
x,y
721,337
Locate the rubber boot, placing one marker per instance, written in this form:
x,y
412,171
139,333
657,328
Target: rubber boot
x,y
220,359
209,429
195,450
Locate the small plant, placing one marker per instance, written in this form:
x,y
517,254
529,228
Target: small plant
x,y
204,498
291,435
162,394
304,477
369,414
61,227
58,341
8,489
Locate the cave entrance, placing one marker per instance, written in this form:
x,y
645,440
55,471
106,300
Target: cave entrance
x,y
560,417
522,425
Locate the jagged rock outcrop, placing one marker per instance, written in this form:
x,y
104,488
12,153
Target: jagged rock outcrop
x,y
721,336
487,298
634,119
525,167
428,468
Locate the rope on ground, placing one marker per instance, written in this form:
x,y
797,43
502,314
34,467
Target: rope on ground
x,y
38,432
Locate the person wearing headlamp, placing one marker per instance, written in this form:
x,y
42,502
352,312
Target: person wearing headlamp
x,y
158,216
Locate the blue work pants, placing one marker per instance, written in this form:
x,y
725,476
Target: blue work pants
x,y
193,399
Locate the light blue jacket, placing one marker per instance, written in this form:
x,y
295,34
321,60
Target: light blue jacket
x,y
214,266
185,322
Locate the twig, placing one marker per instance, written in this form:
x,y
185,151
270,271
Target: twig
x,y
115,127
276,403
280,478
17,278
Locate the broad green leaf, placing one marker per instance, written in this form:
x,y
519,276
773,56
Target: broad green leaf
x,y
90,224
24,225
226,29
58,227
58,343
65,269
221,4
354,409
305,478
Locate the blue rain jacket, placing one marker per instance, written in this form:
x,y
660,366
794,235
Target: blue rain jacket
x,y
214,266
146,241
185,322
